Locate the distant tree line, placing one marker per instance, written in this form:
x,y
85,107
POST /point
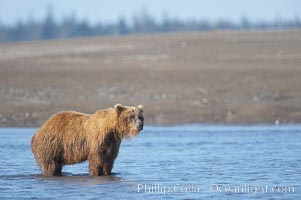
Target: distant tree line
x,y
71,27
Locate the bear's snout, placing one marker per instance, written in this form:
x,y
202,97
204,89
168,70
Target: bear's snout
x,y
140,127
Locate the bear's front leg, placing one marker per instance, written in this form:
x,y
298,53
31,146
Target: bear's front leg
x,y
107,166
52,169
95,165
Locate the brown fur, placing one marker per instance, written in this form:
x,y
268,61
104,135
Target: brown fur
x,y
73,137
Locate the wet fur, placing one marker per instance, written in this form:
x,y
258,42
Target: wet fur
x,y
73,137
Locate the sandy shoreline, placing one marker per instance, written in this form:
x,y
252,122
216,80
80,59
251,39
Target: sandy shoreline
x,y
215,77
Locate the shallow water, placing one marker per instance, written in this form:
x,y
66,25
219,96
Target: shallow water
x,y
179,162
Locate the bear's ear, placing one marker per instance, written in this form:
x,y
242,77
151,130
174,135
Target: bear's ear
x,y
140,108
119,108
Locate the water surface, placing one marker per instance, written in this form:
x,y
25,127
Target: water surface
x,y
178,162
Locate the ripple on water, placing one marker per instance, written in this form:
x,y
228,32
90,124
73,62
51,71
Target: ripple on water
x,y
195,155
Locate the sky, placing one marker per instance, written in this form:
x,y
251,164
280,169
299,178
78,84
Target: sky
x,y
110,11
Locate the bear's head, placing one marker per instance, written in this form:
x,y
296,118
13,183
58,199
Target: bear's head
x,y
130,119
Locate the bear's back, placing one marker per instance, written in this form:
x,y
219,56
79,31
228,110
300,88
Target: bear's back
x,y
64,124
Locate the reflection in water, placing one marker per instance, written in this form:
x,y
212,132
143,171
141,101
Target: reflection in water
x,y
80,179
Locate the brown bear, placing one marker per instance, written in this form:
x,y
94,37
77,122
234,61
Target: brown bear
x,y
72,137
